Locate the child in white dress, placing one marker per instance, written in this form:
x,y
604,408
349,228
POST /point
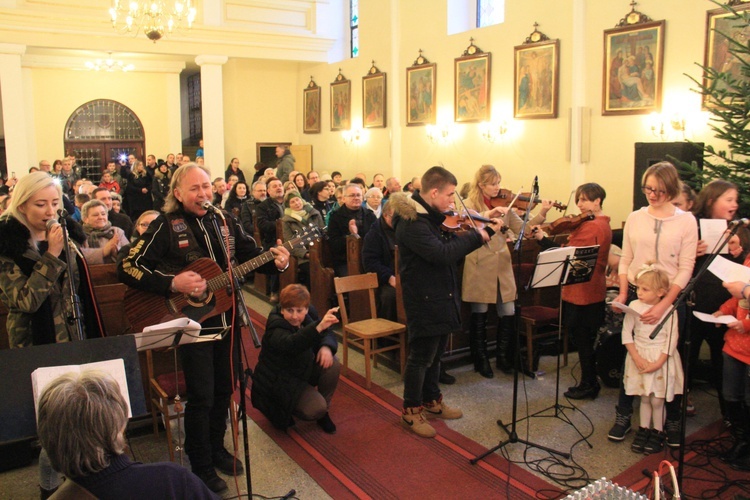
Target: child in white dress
x,y
652,367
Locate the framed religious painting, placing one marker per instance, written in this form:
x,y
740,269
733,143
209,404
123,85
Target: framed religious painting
x,y
725,32
471,102
536,78
311,118
341,103
633,64
421,79
373,99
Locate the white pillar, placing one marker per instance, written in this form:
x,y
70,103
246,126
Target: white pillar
x,y
174,127
579,120
212,106
14,111
397,105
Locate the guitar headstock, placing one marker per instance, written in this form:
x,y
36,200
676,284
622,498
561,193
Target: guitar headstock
x,y
308,238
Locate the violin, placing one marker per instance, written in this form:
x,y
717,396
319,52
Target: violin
x,y
455,222
567,223
505,197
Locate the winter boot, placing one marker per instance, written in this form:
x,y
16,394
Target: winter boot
x,y
505,344
740,447
414,420
622,424
478,344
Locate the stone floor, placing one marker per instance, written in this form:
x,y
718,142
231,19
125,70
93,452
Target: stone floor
x,y
483,402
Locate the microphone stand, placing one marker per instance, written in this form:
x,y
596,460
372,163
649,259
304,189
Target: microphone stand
x,y
240,306
684,297
76,315
512,433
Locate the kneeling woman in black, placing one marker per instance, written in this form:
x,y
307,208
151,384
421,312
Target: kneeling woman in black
x,y
297,372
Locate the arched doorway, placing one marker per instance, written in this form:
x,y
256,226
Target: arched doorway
x,y
101,131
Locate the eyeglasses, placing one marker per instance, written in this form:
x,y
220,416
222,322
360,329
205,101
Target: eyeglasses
x,y
353,196
649,190
143,224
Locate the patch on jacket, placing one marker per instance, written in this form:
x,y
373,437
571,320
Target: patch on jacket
x,y
179,225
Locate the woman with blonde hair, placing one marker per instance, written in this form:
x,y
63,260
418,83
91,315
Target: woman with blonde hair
x,y
138,191
488,275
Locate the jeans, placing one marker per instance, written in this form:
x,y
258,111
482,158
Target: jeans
x,y
423,370
736,380
209,385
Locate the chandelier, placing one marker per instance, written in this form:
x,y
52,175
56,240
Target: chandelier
x,y
110,65
153,17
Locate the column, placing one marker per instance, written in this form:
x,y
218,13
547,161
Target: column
x,y
174,127
212,106
580,114
14,112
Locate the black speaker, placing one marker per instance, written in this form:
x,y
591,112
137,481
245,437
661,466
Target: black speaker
x,y
648,153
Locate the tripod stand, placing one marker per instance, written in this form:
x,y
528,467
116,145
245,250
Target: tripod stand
x,y
576,267
511,432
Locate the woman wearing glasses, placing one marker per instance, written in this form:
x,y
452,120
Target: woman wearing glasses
x,y
141,225
662,234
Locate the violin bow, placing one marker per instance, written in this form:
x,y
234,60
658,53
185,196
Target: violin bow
x,y
471,219
513,202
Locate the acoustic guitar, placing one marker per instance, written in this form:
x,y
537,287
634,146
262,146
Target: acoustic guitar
x,y
144,308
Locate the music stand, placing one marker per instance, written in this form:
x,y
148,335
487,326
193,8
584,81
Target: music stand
x,y
561,267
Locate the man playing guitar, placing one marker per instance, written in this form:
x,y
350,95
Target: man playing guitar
x,y
179,237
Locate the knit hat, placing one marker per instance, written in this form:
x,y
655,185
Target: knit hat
x,y
291,194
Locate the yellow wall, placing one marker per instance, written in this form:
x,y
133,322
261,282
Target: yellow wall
x,y
57,94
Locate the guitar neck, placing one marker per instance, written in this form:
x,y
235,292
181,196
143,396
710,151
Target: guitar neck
x,y
222,280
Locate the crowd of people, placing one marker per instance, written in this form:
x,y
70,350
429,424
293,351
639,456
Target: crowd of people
x,y
297,373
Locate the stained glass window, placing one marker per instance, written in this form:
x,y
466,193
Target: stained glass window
x,y
103,120
489,12
354,26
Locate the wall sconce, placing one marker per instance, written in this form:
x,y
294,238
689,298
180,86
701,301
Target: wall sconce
x,y
492,132
438,134
351,136
668,128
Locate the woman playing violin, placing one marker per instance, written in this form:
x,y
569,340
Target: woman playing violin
x,y
488,275
583,304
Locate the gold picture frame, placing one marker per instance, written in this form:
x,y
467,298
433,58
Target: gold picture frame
x,y
471,100
341,103
537,80
311,109
421,81
374,103
717,54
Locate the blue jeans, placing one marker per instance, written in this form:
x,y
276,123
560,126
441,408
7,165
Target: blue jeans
x,y
423,370
736,376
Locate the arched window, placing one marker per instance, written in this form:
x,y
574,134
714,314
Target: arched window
x,y
102,131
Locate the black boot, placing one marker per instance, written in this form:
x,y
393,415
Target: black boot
x,y
505,344
478,344
445,377
735,412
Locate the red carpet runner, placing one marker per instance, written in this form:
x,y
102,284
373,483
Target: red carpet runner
x,y
372,456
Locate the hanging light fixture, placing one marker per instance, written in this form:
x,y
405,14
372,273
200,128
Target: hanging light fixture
x,y
110,65
155,18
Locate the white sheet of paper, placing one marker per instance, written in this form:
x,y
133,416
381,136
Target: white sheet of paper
x,y
712,231
626,309
163,334
726,270
709,318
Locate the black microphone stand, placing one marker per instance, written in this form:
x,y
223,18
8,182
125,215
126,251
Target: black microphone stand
x,y
240,306
76,314
685,297
512,433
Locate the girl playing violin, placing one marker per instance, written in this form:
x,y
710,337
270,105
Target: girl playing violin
x,y
488,275
583,303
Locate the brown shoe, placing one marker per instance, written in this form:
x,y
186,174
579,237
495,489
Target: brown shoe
x,y
438,409
414,420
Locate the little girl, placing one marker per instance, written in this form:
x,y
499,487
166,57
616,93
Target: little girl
x,y
652,367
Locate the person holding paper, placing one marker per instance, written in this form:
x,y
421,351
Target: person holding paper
x,y
297,372
716,205
663,234
178,237
488,275
583,304
81,421
653,369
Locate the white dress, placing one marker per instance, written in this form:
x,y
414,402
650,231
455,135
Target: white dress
x,y
664,382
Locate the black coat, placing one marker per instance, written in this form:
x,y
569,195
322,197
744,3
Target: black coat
x,y
266,214
338,229
377,254
286,363
428,267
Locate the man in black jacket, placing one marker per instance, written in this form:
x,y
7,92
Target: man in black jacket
x,y
350,218
429,275
266,214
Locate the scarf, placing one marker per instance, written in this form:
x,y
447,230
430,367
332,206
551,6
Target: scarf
x,y
93,235
300,215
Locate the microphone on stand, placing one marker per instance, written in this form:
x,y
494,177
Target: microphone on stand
x,y
207,206
740,222
62,212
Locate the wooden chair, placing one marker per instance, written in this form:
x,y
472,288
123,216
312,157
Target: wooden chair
x,y
163,390
537,321
363,333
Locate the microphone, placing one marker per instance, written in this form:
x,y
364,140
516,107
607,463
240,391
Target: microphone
x,y
535,189
207,206
51,223
740,222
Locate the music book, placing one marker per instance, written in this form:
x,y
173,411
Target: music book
x,y
115,368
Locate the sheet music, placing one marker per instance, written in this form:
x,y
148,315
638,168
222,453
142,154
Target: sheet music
x,y
625,309
726,270
549,267
724,319
165,334
712,232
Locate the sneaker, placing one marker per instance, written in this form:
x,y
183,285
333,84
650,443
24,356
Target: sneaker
x,y
438,409
227,464
621,427
327,424
655,442
690,411
640,440
212,480
414,420
672,430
